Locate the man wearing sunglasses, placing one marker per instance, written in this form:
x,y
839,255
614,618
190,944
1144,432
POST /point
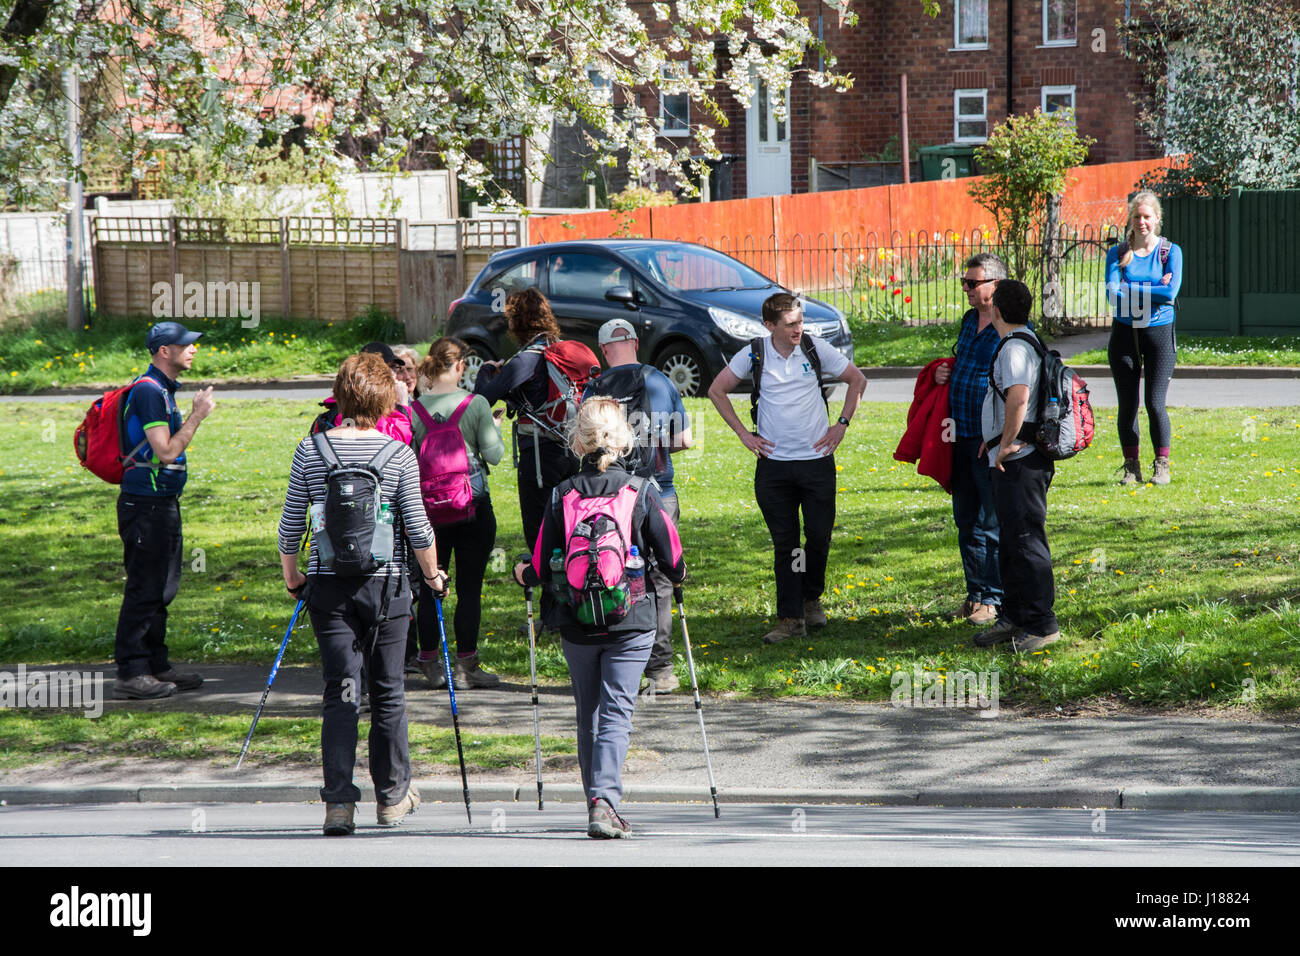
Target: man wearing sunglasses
x,y
972,487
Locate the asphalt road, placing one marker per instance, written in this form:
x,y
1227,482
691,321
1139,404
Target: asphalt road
x,y
756,835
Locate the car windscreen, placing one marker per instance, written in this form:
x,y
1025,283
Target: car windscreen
x,y
692,268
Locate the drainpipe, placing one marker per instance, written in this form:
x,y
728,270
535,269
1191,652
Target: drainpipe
x,y
1011,39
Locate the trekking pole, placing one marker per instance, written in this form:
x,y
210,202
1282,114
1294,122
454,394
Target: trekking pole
x,y
695,689
269,681
532,672
455,719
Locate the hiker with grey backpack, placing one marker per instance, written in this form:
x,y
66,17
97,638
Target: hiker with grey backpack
x,y
360,490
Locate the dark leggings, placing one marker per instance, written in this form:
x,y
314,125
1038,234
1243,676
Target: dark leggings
x,y
1154,348
466,548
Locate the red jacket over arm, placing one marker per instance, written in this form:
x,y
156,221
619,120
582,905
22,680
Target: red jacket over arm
x,y
927,420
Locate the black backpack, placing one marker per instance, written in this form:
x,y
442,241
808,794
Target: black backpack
x,y
756,372
352,508
630,387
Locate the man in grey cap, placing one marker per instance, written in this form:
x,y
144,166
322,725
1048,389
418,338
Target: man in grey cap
x,y
149,513
658,419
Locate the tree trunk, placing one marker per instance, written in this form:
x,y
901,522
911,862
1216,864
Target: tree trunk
x,y
1053,294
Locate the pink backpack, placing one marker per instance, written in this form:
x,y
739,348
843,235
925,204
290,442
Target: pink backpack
x,y
597,535
444,467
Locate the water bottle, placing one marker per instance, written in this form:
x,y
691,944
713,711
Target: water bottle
x,y
324,550
559,586
381,544
1053,411
634,567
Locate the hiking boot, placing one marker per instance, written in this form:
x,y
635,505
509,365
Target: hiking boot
x,y
1160,472
964,612
338,819
467,674
1002,630
982,614
1024,641
1132,472
661,682
142,687
434,673
182,681
603,823
813,614
786,628
392,816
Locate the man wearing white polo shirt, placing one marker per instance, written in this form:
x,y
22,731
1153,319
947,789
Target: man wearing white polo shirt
x,y
795,451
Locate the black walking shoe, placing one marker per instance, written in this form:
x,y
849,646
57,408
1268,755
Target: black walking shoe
x,y
604,823
1002,630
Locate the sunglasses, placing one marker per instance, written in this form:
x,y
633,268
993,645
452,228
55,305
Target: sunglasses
x,y
969,284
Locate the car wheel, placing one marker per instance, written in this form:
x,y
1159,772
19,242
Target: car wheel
x,y
478,354
685,368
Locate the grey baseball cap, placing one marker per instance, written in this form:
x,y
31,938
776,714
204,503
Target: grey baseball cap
x,y
170,333
616,330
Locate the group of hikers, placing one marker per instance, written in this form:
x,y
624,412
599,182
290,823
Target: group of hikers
x,y
390,490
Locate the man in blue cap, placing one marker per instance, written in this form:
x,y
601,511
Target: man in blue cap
x,y
149,514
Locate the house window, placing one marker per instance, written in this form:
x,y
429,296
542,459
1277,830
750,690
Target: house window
x,y
1058,22
970,116
674,109
971,24
1057,98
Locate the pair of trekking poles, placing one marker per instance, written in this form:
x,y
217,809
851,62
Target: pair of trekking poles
x,y
446,666
532,673
695,689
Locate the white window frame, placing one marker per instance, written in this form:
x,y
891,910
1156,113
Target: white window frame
x,y
958,119
1047,91
957,43
1073,41
663,113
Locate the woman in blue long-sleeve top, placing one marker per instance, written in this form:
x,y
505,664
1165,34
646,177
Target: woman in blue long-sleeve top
x,y
1143,274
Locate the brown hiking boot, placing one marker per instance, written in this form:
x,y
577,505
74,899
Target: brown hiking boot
x,y
182,681
965,611
142,687
392,816
813,615
433,672
1132,472
1024,641
1160,472
786,628
983,614
468,674
339,819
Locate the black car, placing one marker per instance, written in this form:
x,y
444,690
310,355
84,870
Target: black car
x,y
693,307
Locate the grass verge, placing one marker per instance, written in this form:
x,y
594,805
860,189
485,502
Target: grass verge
x,y
34,737
1281,351
1187,594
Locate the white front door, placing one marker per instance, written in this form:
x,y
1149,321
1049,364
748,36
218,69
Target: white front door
x,y
767,142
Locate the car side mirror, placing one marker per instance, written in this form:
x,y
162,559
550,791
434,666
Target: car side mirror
x,y
621,293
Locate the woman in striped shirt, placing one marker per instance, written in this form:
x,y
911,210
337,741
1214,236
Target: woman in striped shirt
x,y
363,618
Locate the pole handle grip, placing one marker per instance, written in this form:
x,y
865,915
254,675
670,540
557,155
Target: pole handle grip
x,y
677,593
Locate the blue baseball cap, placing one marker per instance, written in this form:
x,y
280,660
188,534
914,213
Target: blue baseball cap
x,y
170,333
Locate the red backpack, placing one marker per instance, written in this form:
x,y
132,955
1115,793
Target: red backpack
x,y
569,367
445,469
98,440
1071,428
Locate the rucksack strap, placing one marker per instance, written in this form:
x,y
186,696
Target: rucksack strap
x,y
383,457
326,451
1024,337
129,460
756,347
809,348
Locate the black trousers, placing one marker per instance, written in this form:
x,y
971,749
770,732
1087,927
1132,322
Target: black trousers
x,y
466,548
344,614
152,548
1156,348
661,656
1024,559
557,464
781,489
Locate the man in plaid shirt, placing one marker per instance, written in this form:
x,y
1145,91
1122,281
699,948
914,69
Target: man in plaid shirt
x,y
972,487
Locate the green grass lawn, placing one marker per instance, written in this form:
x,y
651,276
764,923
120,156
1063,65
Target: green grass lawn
x,y
1166,595
32,737
1282,350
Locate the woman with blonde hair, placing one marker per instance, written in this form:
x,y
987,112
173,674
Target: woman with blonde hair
x,y
1143,275
605,613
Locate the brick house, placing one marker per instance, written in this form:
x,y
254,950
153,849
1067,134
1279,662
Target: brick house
x,y
963,79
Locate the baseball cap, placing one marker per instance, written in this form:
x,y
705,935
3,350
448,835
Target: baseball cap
x,y
170,333
383,351
616,330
